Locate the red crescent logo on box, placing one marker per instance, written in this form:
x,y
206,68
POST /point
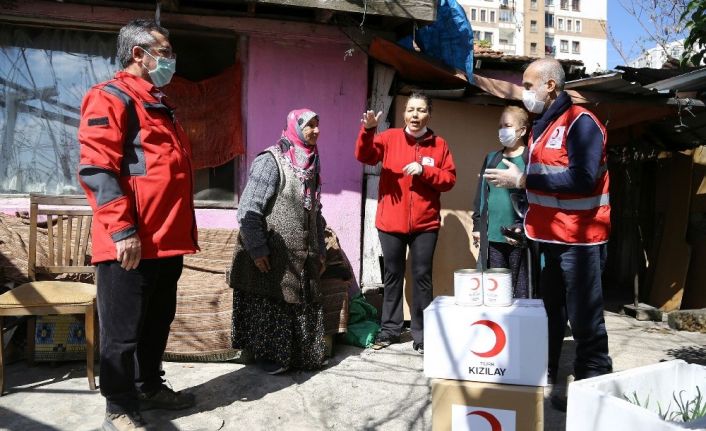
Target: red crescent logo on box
x,y
500,338
492,420
495,284
477,286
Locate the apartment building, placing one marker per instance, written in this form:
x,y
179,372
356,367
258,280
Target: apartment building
x,y
564,29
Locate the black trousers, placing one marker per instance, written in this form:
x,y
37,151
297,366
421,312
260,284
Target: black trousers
x,y
504,255
394,250
572,290
135,309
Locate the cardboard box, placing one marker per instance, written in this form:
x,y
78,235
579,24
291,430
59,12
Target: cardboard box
x,y
473,406
486,344
598,403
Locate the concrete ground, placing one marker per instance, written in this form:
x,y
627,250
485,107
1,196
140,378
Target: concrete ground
x,y
360,389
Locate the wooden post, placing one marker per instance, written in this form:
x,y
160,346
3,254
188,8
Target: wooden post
x,y
371,276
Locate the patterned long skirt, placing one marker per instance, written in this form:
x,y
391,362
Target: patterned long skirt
x,y
290,334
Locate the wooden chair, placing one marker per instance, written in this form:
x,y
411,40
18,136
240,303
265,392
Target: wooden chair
x,y
68,235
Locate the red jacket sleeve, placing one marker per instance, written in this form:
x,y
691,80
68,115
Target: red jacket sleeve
x,y
369,147
443,177
101,136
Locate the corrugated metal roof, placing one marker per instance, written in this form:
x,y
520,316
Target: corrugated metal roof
x,y
690,81
490,54
608,83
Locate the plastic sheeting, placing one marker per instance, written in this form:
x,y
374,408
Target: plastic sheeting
x,y
210,112
449,38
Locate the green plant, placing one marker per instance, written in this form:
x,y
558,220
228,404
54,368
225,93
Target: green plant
x,y
686,410
483,43
689,410
646,404
695,43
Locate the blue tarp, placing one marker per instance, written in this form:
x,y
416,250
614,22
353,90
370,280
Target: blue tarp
x,y
449,38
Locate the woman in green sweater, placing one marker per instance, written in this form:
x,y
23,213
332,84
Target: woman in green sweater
x,y
493,208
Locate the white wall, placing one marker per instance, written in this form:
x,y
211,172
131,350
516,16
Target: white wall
x,y
593,52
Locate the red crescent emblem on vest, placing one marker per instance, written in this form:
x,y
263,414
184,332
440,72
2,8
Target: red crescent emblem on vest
x,y
495,284
492,420
500,338
477,282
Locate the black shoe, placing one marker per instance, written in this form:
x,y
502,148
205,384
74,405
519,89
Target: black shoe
x,y
558,402
384,340
418,347
273,368
167,399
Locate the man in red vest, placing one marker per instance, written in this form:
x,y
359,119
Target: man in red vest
x,y
569,215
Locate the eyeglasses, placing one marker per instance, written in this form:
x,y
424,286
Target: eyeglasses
x,y
164,52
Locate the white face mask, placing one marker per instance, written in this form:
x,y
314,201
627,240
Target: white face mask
x,y
529,98
507,136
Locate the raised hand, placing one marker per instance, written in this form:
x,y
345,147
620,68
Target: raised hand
x,y
370,119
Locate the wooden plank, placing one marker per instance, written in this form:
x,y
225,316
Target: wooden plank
x,y
64,212
67,268
73,200
371,277
32,257
85,236
77,244
415,67
90,345
419,10
51,256
672,263
68,240
112,18
59,240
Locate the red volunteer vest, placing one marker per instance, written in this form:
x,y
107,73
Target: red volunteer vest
x,y
564,218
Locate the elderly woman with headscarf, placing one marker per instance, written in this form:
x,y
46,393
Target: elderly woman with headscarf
x,y
279,256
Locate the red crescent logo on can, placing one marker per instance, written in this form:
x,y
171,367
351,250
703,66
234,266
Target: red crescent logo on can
x,y
495,284
477,283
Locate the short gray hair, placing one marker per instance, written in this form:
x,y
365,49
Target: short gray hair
x,y
549,68
136,33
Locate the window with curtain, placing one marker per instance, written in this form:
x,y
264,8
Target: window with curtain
x,y
44,74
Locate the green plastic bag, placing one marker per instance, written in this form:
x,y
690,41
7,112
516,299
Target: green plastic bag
x,y
362,323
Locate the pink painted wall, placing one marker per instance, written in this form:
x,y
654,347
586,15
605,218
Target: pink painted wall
x,y
283,75
288,74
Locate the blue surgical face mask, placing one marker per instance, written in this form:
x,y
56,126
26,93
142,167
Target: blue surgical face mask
x,y
163,72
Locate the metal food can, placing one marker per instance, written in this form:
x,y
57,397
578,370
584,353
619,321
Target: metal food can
x,y
497,287
468,287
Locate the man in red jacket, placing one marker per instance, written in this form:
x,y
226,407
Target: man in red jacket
x,y
136,171
416,168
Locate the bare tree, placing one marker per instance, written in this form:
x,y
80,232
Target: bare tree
x,y
660,21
